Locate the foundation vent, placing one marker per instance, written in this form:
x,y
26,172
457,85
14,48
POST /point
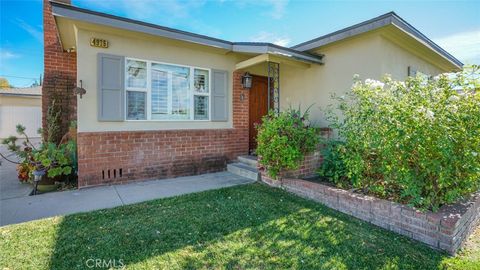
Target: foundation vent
x,y
112,173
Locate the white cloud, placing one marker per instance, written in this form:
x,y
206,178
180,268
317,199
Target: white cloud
x,y
278,8
173,13
465,46
272,8
151,8
264,36
182,14
148,8
37,33
6,55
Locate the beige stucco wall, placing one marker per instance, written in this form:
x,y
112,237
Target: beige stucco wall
x,y
313,86
148,48
370,56
396,60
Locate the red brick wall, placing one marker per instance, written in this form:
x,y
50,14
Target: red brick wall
x,y
60,72
162,154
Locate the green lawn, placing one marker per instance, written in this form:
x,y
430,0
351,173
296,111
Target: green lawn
x,y
245,227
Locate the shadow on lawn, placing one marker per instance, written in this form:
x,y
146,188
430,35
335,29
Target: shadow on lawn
x,y
251,226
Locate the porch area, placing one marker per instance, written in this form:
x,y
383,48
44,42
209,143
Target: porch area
x,y
261,76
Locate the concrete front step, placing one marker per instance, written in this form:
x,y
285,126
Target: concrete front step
x,y
249,160
244,170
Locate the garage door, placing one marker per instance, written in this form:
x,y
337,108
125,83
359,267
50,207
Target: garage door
x,y
10,116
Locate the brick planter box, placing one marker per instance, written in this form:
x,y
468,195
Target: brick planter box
x,y
446,229
311,162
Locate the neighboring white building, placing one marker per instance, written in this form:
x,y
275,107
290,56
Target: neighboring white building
x,y
20,106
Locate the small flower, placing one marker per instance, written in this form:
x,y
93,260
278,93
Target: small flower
x,y
436,90
429,114
474,154
453,98
398,84
421,110
453,108
387,78
374,83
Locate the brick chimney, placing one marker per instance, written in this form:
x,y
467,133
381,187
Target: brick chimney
x,y
60,73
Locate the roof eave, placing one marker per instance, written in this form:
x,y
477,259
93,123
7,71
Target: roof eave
x,y
390,18
350,31
405,26
85,15
268,48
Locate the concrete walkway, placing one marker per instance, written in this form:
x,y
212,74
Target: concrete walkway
x,y
26,208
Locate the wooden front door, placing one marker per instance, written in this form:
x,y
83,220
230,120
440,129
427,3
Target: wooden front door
x,y
258,107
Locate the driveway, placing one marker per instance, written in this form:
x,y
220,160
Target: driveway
x,y
10,187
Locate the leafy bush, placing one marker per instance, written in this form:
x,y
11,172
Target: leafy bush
x,y
333,165
55,159
284,139
417,141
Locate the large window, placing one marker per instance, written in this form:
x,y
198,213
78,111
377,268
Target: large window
x,y
159,91
136,82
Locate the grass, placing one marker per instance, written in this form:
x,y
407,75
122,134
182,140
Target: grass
x,y
245,227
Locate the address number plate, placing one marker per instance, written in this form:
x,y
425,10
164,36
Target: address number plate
x,y
98,42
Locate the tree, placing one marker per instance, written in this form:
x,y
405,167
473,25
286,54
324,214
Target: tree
x,y
4,83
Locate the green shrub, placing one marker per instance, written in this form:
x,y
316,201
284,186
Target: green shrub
x,y
333,166
417,141
55,158
284,139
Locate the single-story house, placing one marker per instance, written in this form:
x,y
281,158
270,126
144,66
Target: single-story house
x,y
20,106
161,102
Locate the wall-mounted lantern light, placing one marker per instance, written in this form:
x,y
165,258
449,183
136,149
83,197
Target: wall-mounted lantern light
x,y
80,90
247,81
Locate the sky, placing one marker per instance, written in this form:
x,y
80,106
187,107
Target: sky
x,y
454,25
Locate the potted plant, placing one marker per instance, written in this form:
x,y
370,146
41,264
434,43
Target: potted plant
x,y
55,161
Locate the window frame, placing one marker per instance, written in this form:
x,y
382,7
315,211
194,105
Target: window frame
x,y
148,91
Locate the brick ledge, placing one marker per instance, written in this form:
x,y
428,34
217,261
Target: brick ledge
x,y
446,229
156,130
